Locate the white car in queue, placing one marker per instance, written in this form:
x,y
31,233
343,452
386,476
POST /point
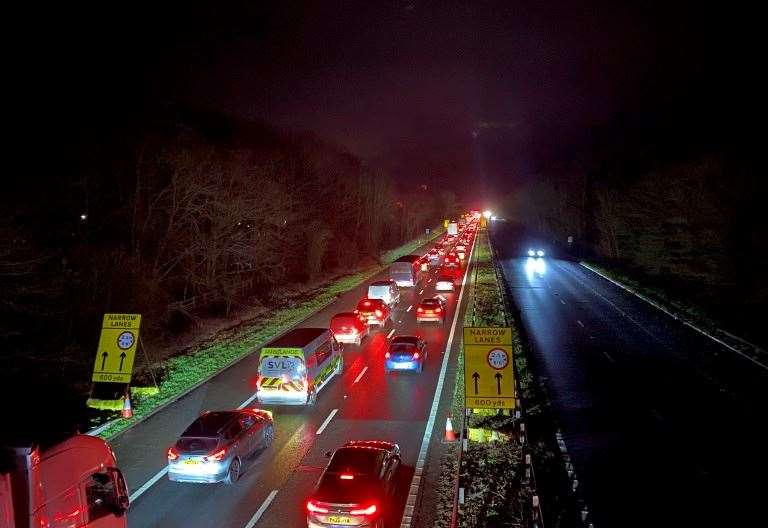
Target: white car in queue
x,y
386,290
444,283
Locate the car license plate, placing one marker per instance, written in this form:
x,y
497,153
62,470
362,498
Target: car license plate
x,y
191,461
337,519
402,365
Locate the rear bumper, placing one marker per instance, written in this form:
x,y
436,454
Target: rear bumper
x,y
401,365
429,318
350,339
198,477
281,397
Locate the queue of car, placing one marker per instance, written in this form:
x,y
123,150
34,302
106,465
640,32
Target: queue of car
x,y
358,483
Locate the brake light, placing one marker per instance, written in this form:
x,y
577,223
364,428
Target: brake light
x,y
438,310
172,454
218,455
420,309
370,510
313,507
379,314
258,382
367,303
387,355
416,355
346,476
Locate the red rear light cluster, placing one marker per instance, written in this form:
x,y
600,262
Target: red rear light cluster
x,y
314,507
379,314
416,355
347,476
438,310
218,455
172,454
370,510
420,309
387,355
367,303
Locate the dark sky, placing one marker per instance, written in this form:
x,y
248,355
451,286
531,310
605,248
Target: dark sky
x,y
451,92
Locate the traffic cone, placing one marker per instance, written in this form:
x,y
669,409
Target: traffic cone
x,y
127,409
450,435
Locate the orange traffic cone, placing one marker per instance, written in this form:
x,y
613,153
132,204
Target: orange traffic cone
x,y
450,435
127,409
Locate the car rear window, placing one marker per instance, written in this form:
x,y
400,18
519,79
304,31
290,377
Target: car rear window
x,y
401,348
430,303
445,278
358,461
372,304
208,424
346,319
195,444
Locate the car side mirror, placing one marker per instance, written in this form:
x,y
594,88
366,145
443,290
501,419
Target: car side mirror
x,y
121,499
328,454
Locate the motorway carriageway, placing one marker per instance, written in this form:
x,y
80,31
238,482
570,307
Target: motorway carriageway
x,y
665,426
363,404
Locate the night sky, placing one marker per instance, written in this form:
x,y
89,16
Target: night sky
x,y
447,92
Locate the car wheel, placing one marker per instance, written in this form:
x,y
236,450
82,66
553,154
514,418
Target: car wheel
x,y
233,473
312,397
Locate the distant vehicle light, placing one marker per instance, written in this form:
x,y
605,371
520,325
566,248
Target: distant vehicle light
x,y
531,253
387,355
416,355
346,476
172,454
540,253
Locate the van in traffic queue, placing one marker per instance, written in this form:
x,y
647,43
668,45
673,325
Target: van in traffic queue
x,y
295,367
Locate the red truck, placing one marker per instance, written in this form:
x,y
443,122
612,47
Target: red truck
x,y
73,484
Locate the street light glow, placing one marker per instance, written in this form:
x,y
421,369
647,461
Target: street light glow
x,y
487,214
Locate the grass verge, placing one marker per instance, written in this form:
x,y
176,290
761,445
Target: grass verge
x,y
180,374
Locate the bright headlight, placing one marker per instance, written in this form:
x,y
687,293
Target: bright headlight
x,y
540,253
531,253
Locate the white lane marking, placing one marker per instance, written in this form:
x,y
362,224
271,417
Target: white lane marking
x,y
148,484
562,301
248,401
609,357
422,291
672,315
409,308
262,509
413,492
389,335
362,372
580,323
327,421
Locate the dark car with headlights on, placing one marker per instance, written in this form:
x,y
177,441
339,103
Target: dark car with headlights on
x,y
217,446
357,486
405,353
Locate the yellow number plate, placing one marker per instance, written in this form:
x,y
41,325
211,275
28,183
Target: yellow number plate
x,y
335,519
190,461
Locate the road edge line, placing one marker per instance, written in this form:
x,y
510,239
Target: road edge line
x,y
413,491
264,505
148,484
326,422
673,315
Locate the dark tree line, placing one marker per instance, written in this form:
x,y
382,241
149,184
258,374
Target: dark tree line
x,y
191,207
693,222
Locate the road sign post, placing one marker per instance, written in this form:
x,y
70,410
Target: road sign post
x,y
489,381
117,348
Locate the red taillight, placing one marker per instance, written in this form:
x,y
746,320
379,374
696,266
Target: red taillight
x,y
346,476
420,309
379,314
258,382
313,507
218,455
416,355
172,454
370,510
387,355
438,310
367,303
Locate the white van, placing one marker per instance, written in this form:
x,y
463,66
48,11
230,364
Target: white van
x,y
386,290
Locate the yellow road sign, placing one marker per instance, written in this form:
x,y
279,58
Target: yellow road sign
x,y
445,223
117,348
489,381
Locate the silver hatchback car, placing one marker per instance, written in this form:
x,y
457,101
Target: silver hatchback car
x,y
216,446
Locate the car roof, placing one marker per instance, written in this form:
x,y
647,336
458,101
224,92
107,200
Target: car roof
x,y
405,339
210,423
